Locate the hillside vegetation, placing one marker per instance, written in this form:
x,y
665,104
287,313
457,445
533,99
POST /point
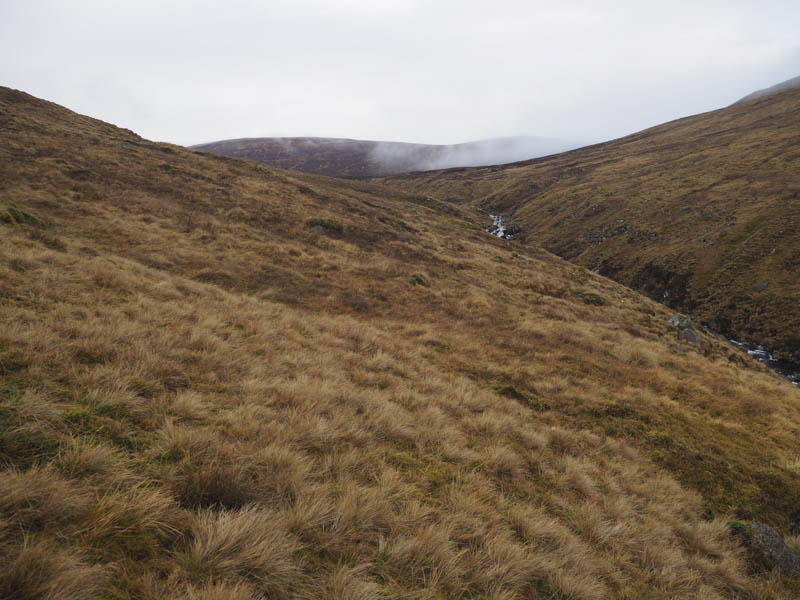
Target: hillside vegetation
x,y
702,213
221,380
363,158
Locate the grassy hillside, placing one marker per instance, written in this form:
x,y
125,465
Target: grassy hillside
x,y
794,82
702,213
220,380
363,158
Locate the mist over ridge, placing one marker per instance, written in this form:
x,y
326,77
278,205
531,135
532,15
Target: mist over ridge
x,y
480,153
341,157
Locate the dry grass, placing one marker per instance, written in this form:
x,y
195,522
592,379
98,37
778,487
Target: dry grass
x,y
693,212
37,571
248,543
254,436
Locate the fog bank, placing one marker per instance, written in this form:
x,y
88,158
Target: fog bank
x,y
413,157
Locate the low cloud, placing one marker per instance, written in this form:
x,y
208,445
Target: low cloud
x,y
397,157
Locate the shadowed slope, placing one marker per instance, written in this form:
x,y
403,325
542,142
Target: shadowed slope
x,y
702,213
219,380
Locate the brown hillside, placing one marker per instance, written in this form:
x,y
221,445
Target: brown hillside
x,y
324,156
362,158
220,380
699,213
794,82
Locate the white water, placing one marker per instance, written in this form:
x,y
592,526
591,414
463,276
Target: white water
x,y
498,227
765,357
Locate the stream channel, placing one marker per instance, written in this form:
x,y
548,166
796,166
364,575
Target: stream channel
x,y
788,369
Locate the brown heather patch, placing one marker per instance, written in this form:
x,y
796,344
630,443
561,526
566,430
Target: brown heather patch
x,y
486,435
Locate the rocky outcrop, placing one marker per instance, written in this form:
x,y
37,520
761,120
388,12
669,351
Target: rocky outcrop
x,y
767,548
685,327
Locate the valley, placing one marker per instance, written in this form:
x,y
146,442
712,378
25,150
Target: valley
x,y
220,379
700,213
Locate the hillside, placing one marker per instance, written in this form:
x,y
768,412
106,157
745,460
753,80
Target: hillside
x,y
702,213
222,380
789,84
361,158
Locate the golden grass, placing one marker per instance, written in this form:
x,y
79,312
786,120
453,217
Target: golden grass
x,y
38,571
245,544
694,212
253,435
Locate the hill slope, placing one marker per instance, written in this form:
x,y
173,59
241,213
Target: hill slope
x,y
219,380
361,158
789,84
702,213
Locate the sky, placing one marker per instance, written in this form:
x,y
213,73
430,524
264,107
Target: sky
x,y
435,72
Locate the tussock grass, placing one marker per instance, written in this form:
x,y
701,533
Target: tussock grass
x,y
38,571
248,543
249,437
33,499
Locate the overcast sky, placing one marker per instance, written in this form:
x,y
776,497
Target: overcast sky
x,y
420,71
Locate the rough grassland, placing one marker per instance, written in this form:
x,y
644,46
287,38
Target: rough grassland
x,y
694,213
219,380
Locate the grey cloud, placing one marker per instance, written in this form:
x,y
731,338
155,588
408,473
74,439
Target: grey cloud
x,y
428,72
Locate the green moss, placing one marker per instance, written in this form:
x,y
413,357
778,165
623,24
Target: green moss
x,y
19,216
433,474
419,279
329,225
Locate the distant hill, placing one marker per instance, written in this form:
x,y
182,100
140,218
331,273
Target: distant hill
x,y
702,213
789,84
360,158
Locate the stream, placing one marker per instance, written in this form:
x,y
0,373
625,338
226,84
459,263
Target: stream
x,y
499,228
788,369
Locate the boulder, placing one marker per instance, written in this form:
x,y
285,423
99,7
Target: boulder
x,y
685,327
681,321
767,548
690,335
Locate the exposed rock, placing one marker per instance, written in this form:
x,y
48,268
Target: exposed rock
x,y
590,298
760,286
767,548
680,321
691,336
684,324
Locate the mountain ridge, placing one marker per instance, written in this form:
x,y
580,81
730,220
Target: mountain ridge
x,y
344,157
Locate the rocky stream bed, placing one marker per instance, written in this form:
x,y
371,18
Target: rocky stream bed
x,y
791,370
